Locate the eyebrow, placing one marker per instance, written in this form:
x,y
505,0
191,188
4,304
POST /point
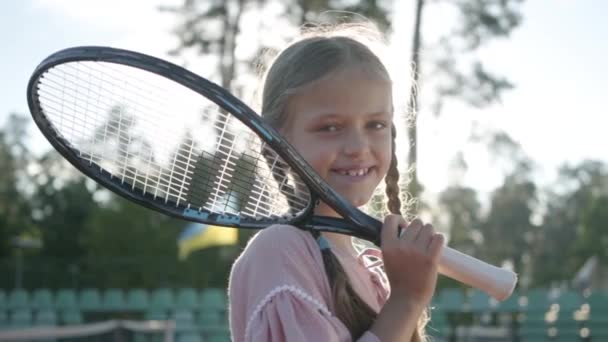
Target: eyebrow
x,y
330,115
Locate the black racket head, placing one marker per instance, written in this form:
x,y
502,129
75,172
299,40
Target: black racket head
x,y
140,127
166,138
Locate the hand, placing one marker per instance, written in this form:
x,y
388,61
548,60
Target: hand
x,y
411,256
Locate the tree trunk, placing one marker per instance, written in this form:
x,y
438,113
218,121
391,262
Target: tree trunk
x,y
412,129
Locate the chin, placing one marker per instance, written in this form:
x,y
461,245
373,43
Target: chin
x,y
358,201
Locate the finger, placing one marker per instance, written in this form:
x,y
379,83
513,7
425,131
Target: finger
x,y
390,228
436,246
412,231
425,235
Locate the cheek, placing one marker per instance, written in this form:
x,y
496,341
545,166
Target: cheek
x,y
318,157
315,154
385,153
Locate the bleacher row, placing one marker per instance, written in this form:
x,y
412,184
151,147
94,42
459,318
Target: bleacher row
x,y
536,315
199,315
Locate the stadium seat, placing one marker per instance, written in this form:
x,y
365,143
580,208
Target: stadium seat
x,y
42,299
566,325
71,317
113,300
536,301
218,336
479,302
569,301
20,318
439,326
450,300
533,328
184,320
90,300
598,329
187,298
566,335
510,305
213,299
66,299
598,305
210,318
18,299
156,314
162,299
45,317
189,337
3,318
137,299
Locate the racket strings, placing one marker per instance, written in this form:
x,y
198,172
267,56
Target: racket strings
x,y
138,126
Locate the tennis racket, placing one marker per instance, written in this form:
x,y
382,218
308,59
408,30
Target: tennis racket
x,y
170,140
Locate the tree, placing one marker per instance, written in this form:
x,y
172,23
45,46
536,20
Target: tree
x,y
478,22
138,241
14,160
571,230
213,29
460,211
593,236
508,230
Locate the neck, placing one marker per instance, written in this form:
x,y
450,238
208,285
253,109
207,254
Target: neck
x,y
323,209
340,242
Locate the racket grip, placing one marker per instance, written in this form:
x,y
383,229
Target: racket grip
x,y
497,282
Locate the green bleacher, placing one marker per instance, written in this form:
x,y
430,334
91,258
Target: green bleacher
x,y
199,315
535,315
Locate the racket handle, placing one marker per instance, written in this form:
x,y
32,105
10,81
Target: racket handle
x,y
497,282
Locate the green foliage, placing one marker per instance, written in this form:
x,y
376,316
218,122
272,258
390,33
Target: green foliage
x,y
594,235
459,209
507,230
574,223
14,207
211,29
460,75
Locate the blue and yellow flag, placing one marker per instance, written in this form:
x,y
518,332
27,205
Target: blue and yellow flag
x,y
198,236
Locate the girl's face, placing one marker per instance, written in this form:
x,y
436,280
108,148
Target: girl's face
x,y
341,125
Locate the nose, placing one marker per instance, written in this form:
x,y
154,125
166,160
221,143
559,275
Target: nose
x,y
356,143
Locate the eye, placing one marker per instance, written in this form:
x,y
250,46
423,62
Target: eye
x,y
377,124
329,128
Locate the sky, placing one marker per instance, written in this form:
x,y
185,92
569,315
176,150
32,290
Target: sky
x,y
557,60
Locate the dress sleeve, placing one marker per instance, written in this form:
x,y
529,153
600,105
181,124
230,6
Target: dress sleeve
x,y
278,291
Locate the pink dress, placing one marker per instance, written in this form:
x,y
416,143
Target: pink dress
x,y
279,290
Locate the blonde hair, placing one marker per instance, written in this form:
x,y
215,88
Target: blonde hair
x,y
318,54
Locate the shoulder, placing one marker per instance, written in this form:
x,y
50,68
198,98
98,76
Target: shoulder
x,y
279,234
279,255
279,243
280,263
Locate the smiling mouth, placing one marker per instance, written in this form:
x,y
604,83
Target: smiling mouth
x,y
354,172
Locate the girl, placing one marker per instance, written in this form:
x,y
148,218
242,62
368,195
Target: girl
x,y
331,97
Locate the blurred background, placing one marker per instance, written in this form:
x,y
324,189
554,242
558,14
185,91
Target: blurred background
x,y
507,155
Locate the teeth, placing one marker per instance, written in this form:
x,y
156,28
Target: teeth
x,y
360,172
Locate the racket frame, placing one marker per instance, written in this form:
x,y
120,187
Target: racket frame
x,y
357,223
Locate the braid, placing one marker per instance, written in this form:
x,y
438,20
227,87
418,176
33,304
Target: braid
x,y
394,206
349,307
392,179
